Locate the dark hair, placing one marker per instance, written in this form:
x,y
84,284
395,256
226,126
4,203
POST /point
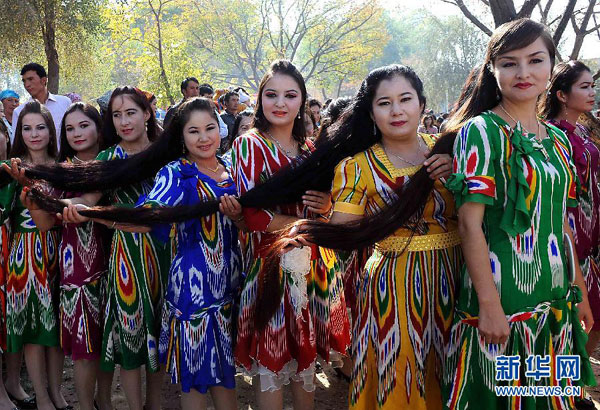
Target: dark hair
x,y
484,93
4,131
66,151
206,89
331,115
563,77
40,70
311,116
186,82
314,101
19,149
229,95
169,148
238,120
284,67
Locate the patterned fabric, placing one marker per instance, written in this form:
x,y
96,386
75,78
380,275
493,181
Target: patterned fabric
x,y
4,253
507,170
32,283
288,339
405,300
83,261
137,268
195,340
584,220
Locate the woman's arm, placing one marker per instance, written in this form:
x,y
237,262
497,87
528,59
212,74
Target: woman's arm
x,y
43,220
585,312
493,324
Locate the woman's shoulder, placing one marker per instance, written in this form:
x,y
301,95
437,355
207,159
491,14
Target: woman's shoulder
x,y
111,153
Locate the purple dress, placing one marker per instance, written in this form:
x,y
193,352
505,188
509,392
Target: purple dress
x,y
83,273
585,219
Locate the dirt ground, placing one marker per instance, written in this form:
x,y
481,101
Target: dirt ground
x,y
331,393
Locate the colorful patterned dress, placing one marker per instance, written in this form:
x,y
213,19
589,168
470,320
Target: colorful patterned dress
x,y
83,260
4,254
195,339
287,347
137,268
405,296
32,283
585,219
526,197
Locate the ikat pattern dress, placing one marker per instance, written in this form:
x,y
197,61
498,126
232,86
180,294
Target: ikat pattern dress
x,y
405,295
32,285
83,261
138,265
584,220
196,335
526,187
5,230
288,345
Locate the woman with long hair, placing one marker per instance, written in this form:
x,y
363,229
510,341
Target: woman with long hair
x,y
283,325
411,273
83,263
32,284
520,292
138,263
570,95
428,124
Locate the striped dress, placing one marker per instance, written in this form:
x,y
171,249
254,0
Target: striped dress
x,y
287,347
526,187
32,284
137,267
405,296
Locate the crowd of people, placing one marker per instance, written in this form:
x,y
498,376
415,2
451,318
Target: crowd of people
x,y
407,250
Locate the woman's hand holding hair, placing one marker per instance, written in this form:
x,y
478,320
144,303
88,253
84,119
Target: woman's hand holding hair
x,y
317,202
294,239
231,208
15,171
71,214
27,201
439,166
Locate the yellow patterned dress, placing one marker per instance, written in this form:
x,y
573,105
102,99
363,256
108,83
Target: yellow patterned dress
x,y
405,299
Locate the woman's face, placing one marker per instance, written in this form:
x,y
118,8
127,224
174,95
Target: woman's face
x,y
129,118
308,126
281,100
201,136
428,122
154,106
582,96
82,134
523,74
36,133
245,124
396,109
316,110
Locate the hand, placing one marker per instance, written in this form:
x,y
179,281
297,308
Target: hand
x,y
317,202
71,214
15,171
231,207
27,201
294,239
585,314
493,325
439,166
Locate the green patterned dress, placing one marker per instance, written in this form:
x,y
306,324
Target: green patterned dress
x,y
526,187
137,269
32,284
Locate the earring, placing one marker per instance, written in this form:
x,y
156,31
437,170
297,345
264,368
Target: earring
x,y
183,148
498,96
374,129
299,115
146,125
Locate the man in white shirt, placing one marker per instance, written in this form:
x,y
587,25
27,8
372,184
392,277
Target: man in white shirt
x,y
35,81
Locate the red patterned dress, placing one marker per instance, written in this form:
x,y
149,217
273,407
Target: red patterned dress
x,y
287,347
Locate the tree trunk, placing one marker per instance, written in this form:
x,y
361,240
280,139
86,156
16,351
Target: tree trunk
x,y
503,11
50,46
163,73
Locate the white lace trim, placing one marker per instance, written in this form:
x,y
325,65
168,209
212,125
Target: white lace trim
x,y
271,381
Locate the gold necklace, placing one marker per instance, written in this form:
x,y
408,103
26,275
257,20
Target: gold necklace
x,y
404,159
287,153
214,171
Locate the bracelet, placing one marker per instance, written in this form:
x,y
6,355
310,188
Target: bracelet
x,y
240,219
